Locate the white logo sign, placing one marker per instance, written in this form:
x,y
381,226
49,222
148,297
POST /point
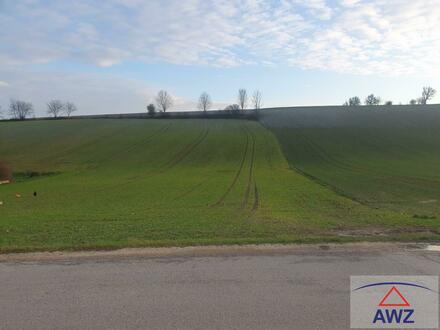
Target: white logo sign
x,y
394,302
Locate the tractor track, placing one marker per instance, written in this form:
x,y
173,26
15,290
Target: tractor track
x,y
144,141
251,171
186,150
237,174
256,198
190,190
251,178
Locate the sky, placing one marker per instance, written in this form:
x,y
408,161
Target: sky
x,y
114,56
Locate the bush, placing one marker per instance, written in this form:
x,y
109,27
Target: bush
x,y
233,107
151,109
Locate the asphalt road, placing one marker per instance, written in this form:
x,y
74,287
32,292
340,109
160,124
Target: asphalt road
x,y
302,288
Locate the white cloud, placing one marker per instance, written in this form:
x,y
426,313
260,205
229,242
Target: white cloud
x,y
3,84
350,36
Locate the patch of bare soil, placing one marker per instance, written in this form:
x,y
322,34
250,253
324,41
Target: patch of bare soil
x,y
5,172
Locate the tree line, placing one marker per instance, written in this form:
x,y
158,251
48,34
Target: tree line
x,y
164,101
428,93
20,110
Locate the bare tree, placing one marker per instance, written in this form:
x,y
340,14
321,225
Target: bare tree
x,y
232,107
353,102
69,108
20,109
164,100
427,94
413,102
204,101
257,100
242,98
372,100
55,107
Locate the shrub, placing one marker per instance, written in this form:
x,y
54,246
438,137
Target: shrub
x,y
151,109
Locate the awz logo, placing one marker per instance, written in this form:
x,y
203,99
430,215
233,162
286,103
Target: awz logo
x,y
394,303
394,315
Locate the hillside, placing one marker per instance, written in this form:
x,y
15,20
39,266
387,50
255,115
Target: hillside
x,y
107,183
384,157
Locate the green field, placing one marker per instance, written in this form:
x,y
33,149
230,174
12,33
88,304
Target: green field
x,y
108,183
387,158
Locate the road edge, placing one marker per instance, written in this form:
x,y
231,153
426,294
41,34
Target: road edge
x,y
209,251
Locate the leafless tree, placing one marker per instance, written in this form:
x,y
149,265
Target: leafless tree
x,y
242,98
20,109
204,101
427,94
257,100
413,102
164,100
232,107
353,102
55,107
69,108
372,100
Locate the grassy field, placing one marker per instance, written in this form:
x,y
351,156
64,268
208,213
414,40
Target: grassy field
x,y
115,183
383,157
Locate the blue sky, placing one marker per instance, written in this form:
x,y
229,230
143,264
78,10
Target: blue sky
x,y
113,56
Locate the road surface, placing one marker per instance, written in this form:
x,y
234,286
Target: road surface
x,y
240,288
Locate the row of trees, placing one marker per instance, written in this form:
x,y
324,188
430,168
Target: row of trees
x,y
427,94
57,108
20,110
164,101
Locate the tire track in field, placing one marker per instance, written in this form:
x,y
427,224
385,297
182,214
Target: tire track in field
x,y
251,183
178,157
251,170
186,150
237,175
191,190
256,198
132,179
143,142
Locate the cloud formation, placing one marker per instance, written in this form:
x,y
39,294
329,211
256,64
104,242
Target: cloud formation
x,y
388,37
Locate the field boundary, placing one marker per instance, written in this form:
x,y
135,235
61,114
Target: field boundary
x,y
211,250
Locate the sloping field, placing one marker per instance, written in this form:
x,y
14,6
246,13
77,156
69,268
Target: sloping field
x,y
384,157
105,183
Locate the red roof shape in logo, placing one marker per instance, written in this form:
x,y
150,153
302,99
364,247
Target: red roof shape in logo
x,y
389,300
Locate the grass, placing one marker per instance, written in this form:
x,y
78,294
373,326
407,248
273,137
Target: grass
x,y
107,183
385,157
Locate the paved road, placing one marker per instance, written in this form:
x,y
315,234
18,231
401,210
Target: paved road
x,y
299,289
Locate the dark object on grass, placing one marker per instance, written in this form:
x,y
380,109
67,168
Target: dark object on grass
x,y
35,194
